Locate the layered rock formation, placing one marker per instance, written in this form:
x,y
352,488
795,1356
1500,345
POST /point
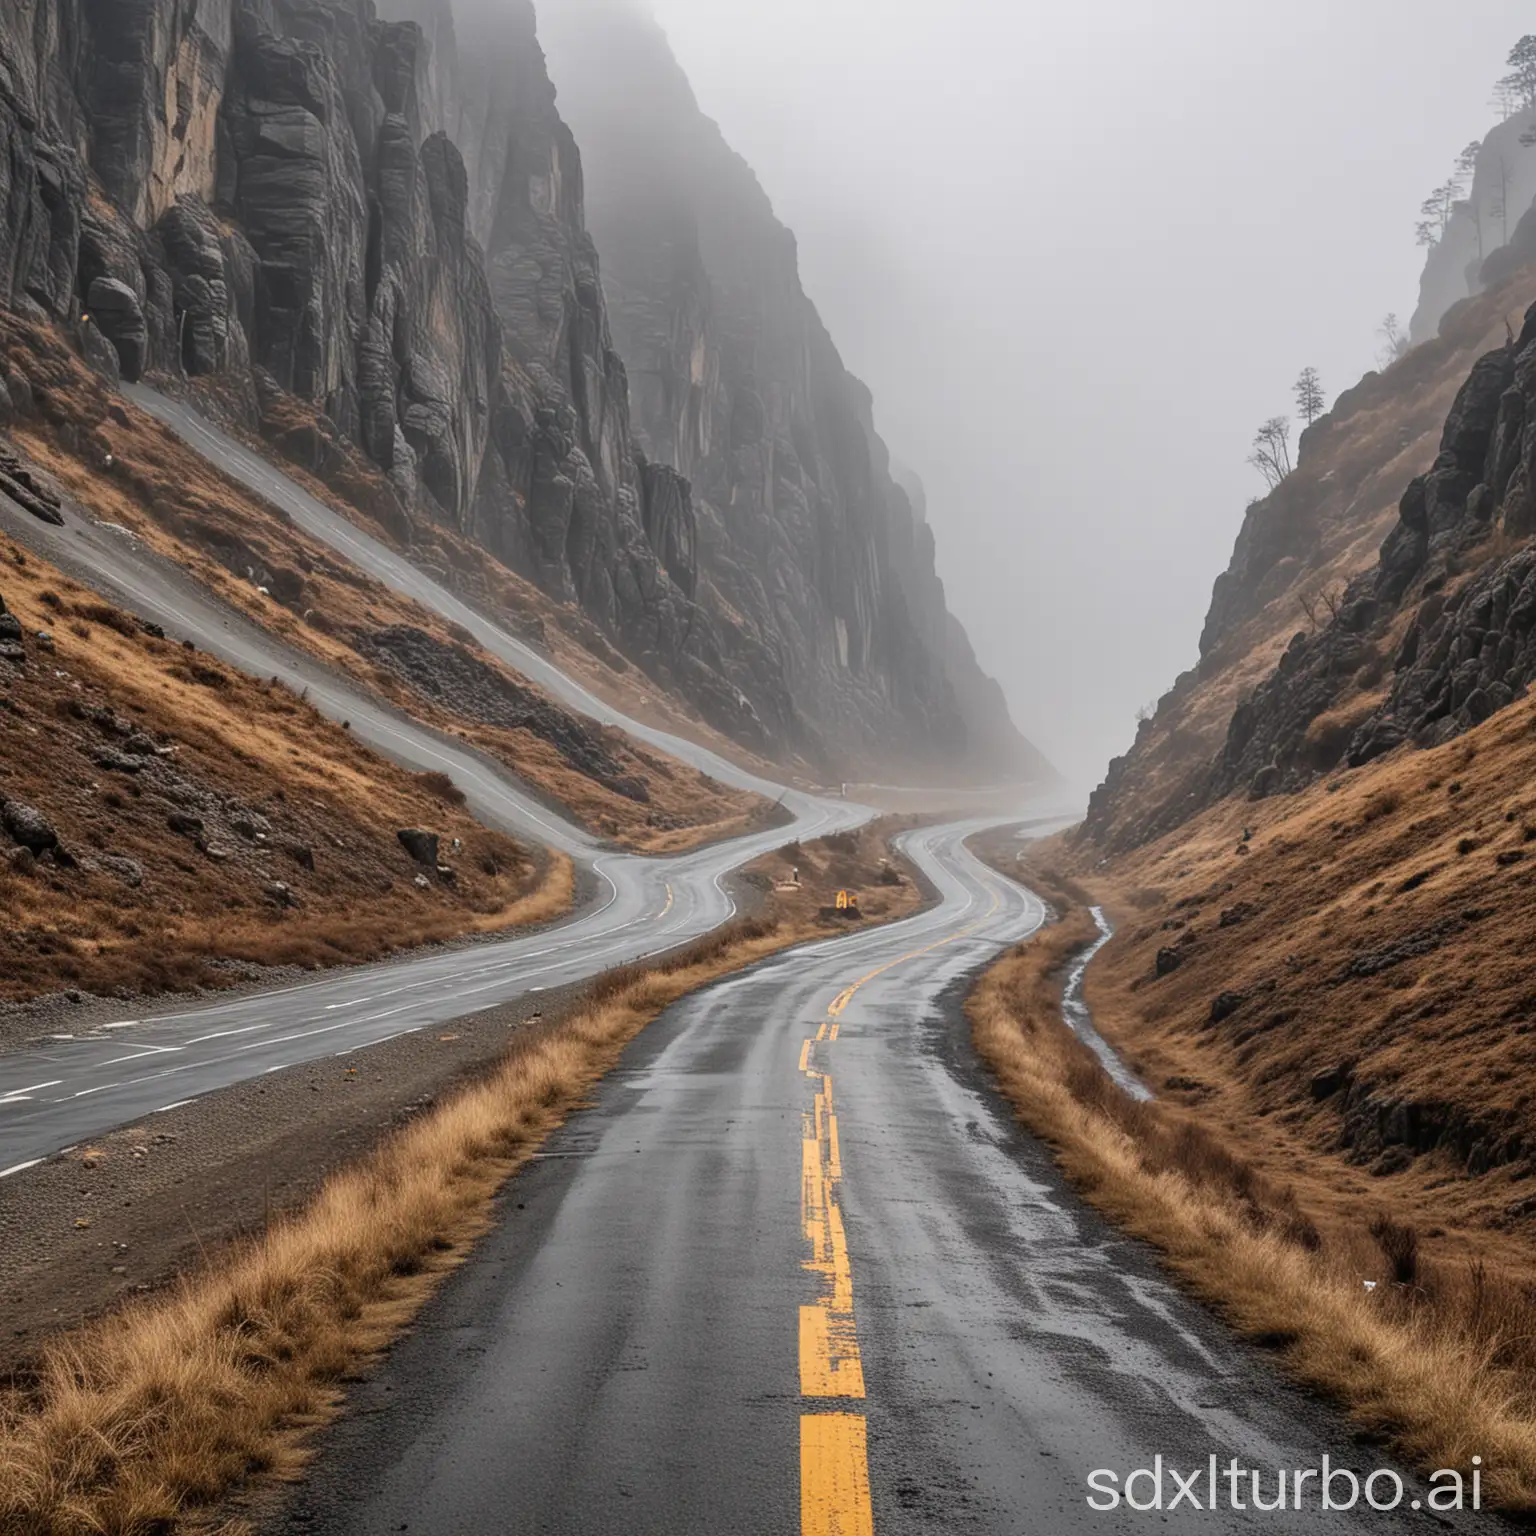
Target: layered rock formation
x,y
384,216
810,550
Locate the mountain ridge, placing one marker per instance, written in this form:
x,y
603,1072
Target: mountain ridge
x,y
301,198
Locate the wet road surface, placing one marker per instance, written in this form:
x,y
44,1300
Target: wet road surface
x,y
798,1270
65,1091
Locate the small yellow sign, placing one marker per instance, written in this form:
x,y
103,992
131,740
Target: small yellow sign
x,y
845,900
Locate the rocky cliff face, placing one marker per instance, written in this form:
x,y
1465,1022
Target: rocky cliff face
x,y
384,216
1354,616
809,549
1481,227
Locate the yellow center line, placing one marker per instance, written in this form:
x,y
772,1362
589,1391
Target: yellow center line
x,y
834,1454
834,1476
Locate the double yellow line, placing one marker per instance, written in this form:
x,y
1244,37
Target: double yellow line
x,y
834,1456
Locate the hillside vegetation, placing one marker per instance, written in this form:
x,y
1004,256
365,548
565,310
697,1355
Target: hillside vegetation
x,y
169,822
123,467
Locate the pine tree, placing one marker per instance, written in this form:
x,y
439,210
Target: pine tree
x,y
1308,389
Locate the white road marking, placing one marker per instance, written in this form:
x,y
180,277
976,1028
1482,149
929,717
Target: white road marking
x,y
18,1093
142,1053
5,1173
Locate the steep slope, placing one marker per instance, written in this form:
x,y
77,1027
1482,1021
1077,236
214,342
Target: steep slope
x,y
809,548
1487,234
1316,545
300,202
168,824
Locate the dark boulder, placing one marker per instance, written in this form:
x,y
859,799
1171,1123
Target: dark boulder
x,y
129,871
28,490
119,762
1168,961
1334,1080
28,827
421,845
1225,1004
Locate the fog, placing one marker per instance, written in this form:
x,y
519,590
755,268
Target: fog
x,y
1079,253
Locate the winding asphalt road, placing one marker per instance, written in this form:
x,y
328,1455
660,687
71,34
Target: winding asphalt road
x,y
56,1096
797,1270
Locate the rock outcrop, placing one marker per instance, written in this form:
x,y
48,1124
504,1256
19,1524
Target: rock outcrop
x,y
1471,253
384,217
812,557
1432,640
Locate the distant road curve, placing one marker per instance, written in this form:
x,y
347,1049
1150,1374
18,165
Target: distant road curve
x,y
797,1270
55,1096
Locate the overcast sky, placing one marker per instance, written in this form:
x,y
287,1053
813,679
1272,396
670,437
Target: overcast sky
x,y
1079,252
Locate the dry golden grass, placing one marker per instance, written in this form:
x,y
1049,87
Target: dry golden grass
x,y
1440,1360
1332,513
163,1407
150,1415
1380,924
250,749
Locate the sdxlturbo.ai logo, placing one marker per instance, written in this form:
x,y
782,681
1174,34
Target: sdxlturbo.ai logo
x,y
1162,1487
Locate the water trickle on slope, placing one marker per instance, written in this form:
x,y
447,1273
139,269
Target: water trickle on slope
x,y
1075,1010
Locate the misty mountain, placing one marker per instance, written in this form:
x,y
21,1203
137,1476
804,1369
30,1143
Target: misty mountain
x,y
1488,232
384,218
1382,593
805,530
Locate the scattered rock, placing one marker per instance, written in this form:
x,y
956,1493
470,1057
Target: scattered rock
x,y
118,762
470,686
278,894
22,861
1225,1004
1395,1159
422,883
28,827
1182,1084
1169,960
28,490
1232,916
129,871
302,856
184,824
1334,1080
421,845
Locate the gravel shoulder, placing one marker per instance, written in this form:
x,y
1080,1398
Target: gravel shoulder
x,y
128,1212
